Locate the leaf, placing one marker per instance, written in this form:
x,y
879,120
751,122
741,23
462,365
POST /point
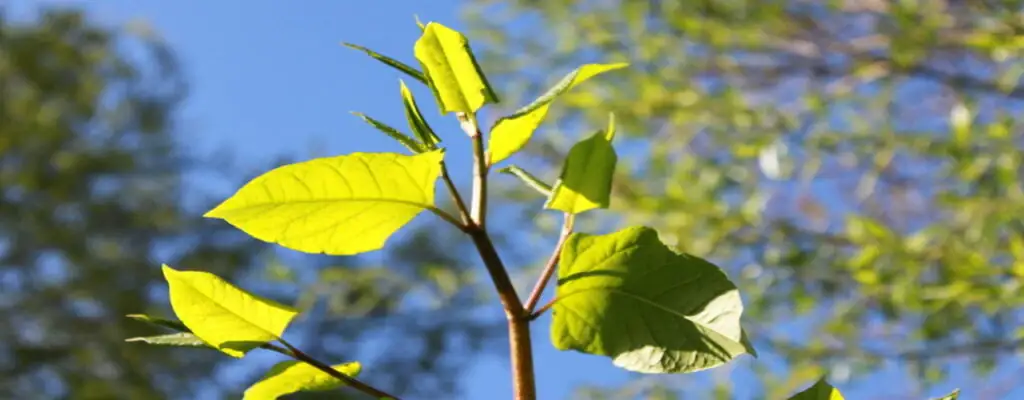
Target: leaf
x,y
528,179
294,376
185,339
416,121
161,322
339,205
586,181
413,72
821,390
510,134
228,318
627,296
954,395
400,137
452,71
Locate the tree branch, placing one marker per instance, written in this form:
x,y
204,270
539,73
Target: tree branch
x,y
549,268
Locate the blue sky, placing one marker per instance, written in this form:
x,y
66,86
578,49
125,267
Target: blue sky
x,y
269,80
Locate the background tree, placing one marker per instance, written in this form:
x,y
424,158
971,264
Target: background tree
x,y
855,166
96,191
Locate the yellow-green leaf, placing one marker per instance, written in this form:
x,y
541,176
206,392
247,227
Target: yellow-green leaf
x,y
335,205
403,139
390,62
821,390
452,71
222,315
294,376
510,134
586,180
183,339
417,123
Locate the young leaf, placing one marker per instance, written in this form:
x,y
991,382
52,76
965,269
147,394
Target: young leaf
x,y
161,322
294,376
185,339
228,318
391,62
399,137
821,390
586,181
510,134
416,121
528,179
627,296
452,71
954,395
339,205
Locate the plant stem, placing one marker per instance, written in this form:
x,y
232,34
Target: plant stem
x,y
447,218
350,381
520,346
549,268
540,311
463,211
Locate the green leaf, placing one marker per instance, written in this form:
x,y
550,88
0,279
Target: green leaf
x,y
228,318
339,205
952,396
413,72
528,179
161,322
452,71
510,134
627,296
586,180
185,339
294,376
821,390
400,137
416,121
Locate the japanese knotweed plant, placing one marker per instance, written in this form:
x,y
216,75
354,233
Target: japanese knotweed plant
x,y
624,295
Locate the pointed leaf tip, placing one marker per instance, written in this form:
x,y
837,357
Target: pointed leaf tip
x,y
404,68
451,69
821,390
586,179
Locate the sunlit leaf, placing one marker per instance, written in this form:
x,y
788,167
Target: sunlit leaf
x,y
586,180
821,390
413,72
452,71
511,133
295,376
228,318
401,138
954,395
528,179
416,122
335,205
184,339
161,322
627,296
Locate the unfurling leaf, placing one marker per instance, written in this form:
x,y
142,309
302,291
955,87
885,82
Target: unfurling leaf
x,y
393,133
161,322
390,62
821,390
510,134
627,296
339,205
528,178
418,125
954,395
185,339
228,318
452,71
586,180
295,376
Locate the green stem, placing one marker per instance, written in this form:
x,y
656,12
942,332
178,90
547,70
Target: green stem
x,y
549,268
454,192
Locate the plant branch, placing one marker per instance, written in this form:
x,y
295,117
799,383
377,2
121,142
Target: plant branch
x,y
447,218
540,311
463,211
549,268
353,382
520,346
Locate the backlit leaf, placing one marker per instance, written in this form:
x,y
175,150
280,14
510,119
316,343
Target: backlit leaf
x,y
416,122
335,205
161,322
627,296
821,390
295,376
586,181
172,339
228,318
954,395
393,133
390,62
452,71
510,134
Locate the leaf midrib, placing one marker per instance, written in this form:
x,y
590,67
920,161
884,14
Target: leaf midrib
x,y
229,311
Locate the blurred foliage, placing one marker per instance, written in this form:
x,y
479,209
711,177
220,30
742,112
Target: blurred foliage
x,y
96,191
855,165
